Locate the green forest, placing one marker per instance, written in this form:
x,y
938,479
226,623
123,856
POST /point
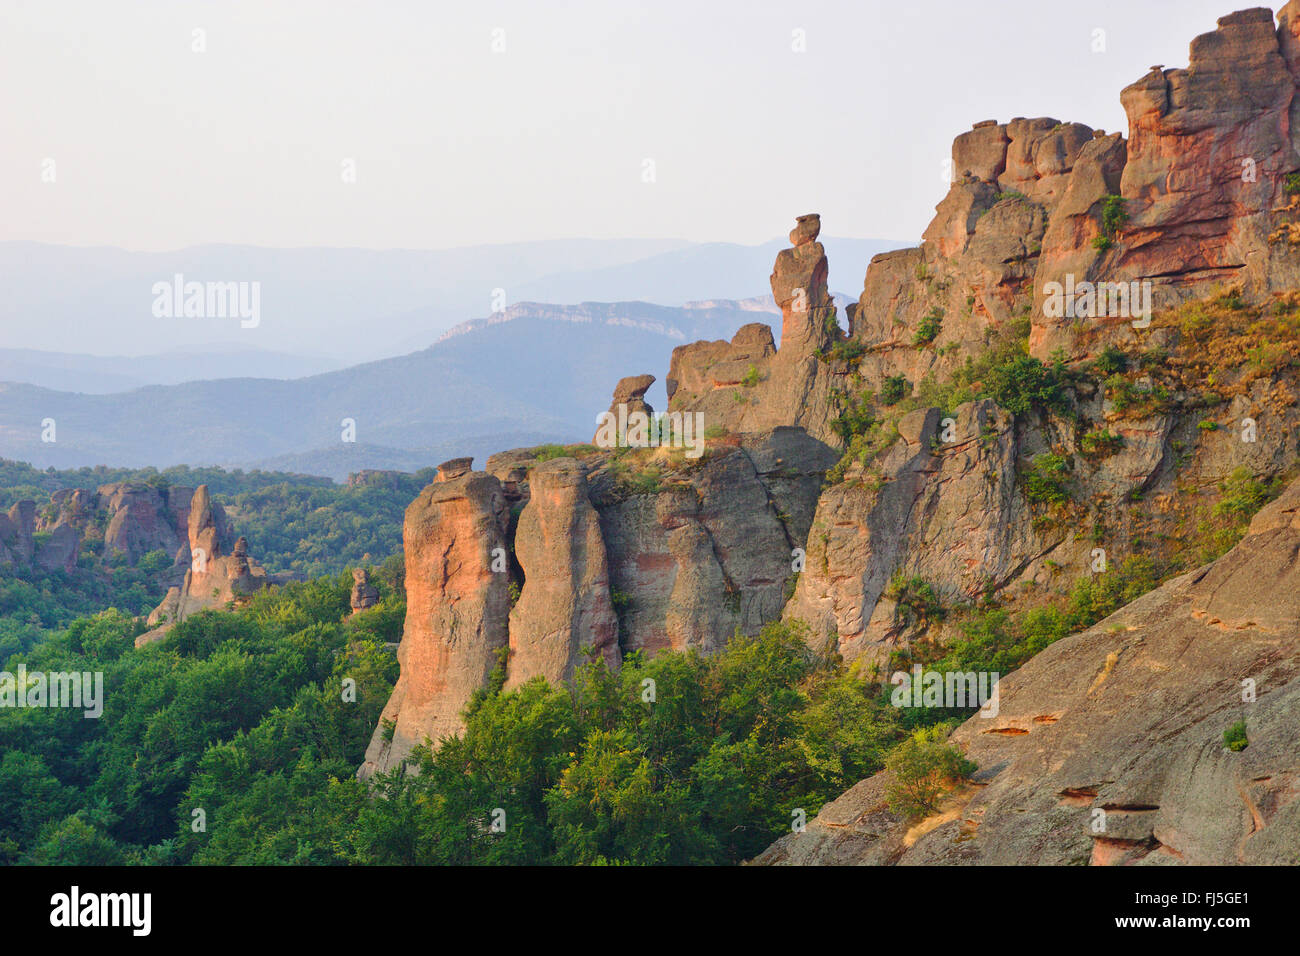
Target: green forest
x,y
236,740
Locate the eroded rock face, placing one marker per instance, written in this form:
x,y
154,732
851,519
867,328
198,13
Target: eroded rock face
x,y
214,577
942,505
713,549
457,609
1204,176
629,397
364,594
564,609
1199,197
703,557
59,551
131,518
143,519
17,545
1127,717
601,570
747,385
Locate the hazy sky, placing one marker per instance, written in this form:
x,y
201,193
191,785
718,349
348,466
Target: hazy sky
x,y
156,146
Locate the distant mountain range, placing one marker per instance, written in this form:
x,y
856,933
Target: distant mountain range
x,y
342,306
371,345
532,374
101,374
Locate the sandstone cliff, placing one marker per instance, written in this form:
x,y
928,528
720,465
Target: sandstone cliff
x,y
126,520
220,571
1196,196
926,446
457,607
613,552
748,384
1127,718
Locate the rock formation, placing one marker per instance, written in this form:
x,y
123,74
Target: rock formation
x,y
747,384
629,397
364,594
615,551
598,569
374,478
949,513
129,519
214,577
1127,718
17,544
1198,192
713,551
457,608
144,519
564,610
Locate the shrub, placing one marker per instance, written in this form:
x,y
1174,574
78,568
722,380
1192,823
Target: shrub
x,y
922,768
854,418
1101,595
750,378
915,598
1023,382
1111,361
847,350
929,327
894,390
1234,738
1126,396
1153,357
1242,496
1100,443
1045,478
1113,215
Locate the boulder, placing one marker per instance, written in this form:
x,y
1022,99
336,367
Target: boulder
x,y
629,397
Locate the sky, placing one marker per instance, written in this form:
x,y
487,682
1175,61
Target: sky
x,y
430,125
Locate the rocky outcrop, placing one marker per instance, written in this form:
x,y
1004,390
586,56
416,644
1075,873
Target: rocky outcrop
x,y
943,505
672,555
1196,196
747,384
600,568
564,611
144,518
129,520
219,572
364,594
629,398
713,550
457,608
375,478
17,529
1124,724
58,552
